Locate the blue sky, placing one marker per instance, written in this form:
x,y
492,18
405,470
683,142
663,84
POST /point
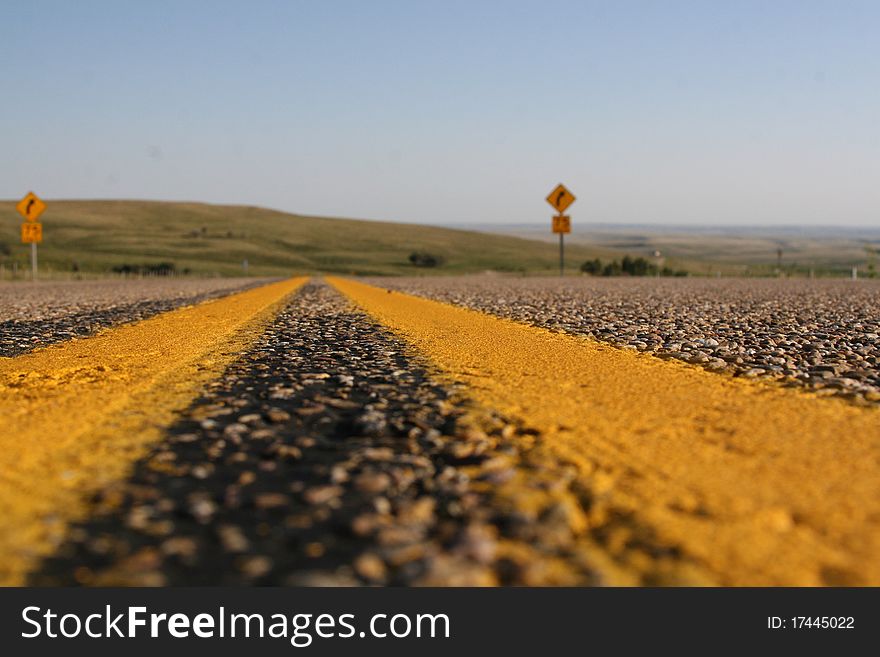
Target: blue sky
x,y
451,112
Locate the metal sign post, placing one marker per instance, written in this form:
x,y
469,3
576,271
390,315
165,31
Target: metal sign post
x,y
562,254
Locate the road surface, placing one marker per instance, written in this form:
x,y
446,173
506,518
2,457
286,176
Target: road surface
x,y
349,434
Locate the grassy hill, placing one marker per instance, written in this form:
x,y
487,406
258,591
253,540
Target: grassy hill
x,y
97,236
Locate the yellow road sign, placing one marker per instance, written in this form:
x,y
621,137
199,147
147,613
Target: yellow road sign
x,y
31,207
562,224
560,198
31,232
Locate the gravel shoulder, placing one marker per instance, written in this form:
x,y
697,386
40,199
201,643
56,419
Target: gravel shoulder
x,y
327,456
823,335
37,315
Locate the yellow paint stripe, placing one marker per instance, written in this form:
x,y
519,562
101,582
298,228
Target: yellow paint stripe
x,y
751,483
76,415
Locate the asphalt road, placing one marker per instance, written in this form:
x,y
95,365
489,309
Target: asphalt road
x,y
820,334
76,414
300,433
325,455
34,315
686,476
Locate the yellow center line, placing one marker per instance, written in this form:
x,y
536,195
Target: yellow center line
x,y
749,482
75,416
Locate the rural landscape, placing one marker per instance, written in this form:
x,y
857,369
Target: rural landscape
x,y
439,327
94,239
200,394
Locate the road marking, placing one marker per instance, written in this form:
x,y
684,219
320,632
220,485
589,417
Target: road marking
x,y
684,471
75,416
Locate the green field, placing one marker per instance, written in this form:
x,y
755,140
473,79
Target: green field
x,y
93,237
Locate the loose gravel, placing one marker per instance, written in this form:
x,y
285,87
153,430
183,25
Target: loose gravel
x,y
37,315
327,456
824,335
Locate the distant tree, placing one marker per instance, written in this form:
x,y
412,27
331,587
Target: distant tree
x,y
149,269
592,267
637,266
612,269
627,266
422,259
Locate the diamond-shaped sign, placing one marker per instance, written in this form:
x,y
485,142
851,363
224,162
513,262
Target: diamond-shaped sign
x,y
560,198
31,207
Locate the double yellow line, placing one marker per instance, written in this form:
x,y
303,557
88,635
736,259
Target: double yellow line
x,y
689,476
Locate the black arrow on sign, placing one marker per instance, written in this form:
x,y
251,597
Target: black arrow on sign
x,y
27,210
559,197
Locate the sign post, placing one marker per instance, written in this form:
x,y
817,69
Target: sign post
x,y
31,207
560,198
562,254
